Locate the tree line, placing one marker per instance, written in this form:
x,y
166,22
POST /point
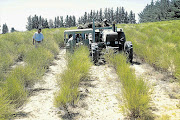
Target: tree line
x,y
120,15
35,22
6,30
160,11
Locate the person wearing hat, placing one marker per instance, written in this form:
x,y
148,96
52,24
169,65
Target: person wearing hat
x,y
38,37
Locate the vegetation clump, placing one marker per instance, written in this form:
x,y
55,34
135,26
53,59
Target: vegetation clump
x,y
157,44
135,91
78,65
15,47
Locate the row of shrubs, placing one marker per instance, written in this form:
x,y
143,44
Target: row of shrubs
x,y
15,81
158,43
78,65
135,91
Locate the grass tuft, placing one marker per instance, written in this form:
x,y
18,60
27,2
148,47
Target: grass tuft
x,y
135,90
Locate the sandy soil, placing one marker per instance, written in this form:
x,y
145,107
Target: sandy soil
x,y
165,91
98,97
40,104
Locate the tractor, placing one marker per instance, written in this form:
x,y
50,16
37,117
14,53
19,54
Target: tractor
x,y
98,39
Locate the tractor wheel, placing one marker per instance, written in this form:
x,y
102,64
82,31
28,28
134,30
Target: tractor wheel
x,y
131,55
128,49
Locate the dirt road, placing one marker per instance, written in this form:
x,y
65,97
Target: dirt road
x,y
40,104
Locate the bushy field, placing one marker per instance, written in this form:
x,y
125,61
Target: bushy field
x,y
14,82
135,91
78,65
158,43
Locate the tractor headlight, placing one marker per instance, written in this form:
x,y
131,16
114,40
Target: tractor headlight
x,y
108,43
116,42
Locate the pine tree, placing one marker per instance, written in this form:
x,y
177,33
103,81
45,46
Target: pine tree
x,y
122,15
70,22
126,19
131,17
46,24
161,10
117,15
67,21
109,15
85,18
91,16
100,15
5,29
40,22
97,16
112,15
55,23
74,21
51,23
29,23
106,13
58,22
61,22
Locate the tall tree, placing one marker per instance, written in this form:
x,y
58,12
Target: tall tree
x,y
51,25
55,22
5,29
67,21
160,10
85,18
61,21
29,23
74,21
58,22
100,15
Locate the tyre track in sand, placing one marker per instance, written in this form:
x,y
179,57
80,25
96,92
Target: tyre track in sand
x,y
40,104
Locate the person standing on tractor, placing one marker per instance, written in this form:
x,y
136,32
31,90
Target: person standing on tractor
x,y
38,37
105,23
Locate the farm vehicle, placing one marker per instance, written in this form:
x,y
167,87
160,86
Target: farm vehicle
x,y
99,39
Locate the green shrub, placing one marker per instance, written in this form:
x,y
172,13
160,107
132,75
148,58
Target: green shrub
x,y
135,90
77,69
6,108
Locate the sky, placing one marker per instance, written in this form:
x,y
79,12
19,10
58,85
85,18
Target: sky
x,y
15,12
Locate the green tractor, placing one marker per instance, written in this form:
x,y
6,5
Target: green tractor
x,y
97,39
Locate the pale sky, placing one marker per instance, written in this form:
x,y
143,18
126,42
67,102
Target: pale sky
x,y
15,12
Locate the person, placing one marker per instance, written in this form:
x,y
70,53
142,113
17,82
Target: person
x,y
105,23
38,38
